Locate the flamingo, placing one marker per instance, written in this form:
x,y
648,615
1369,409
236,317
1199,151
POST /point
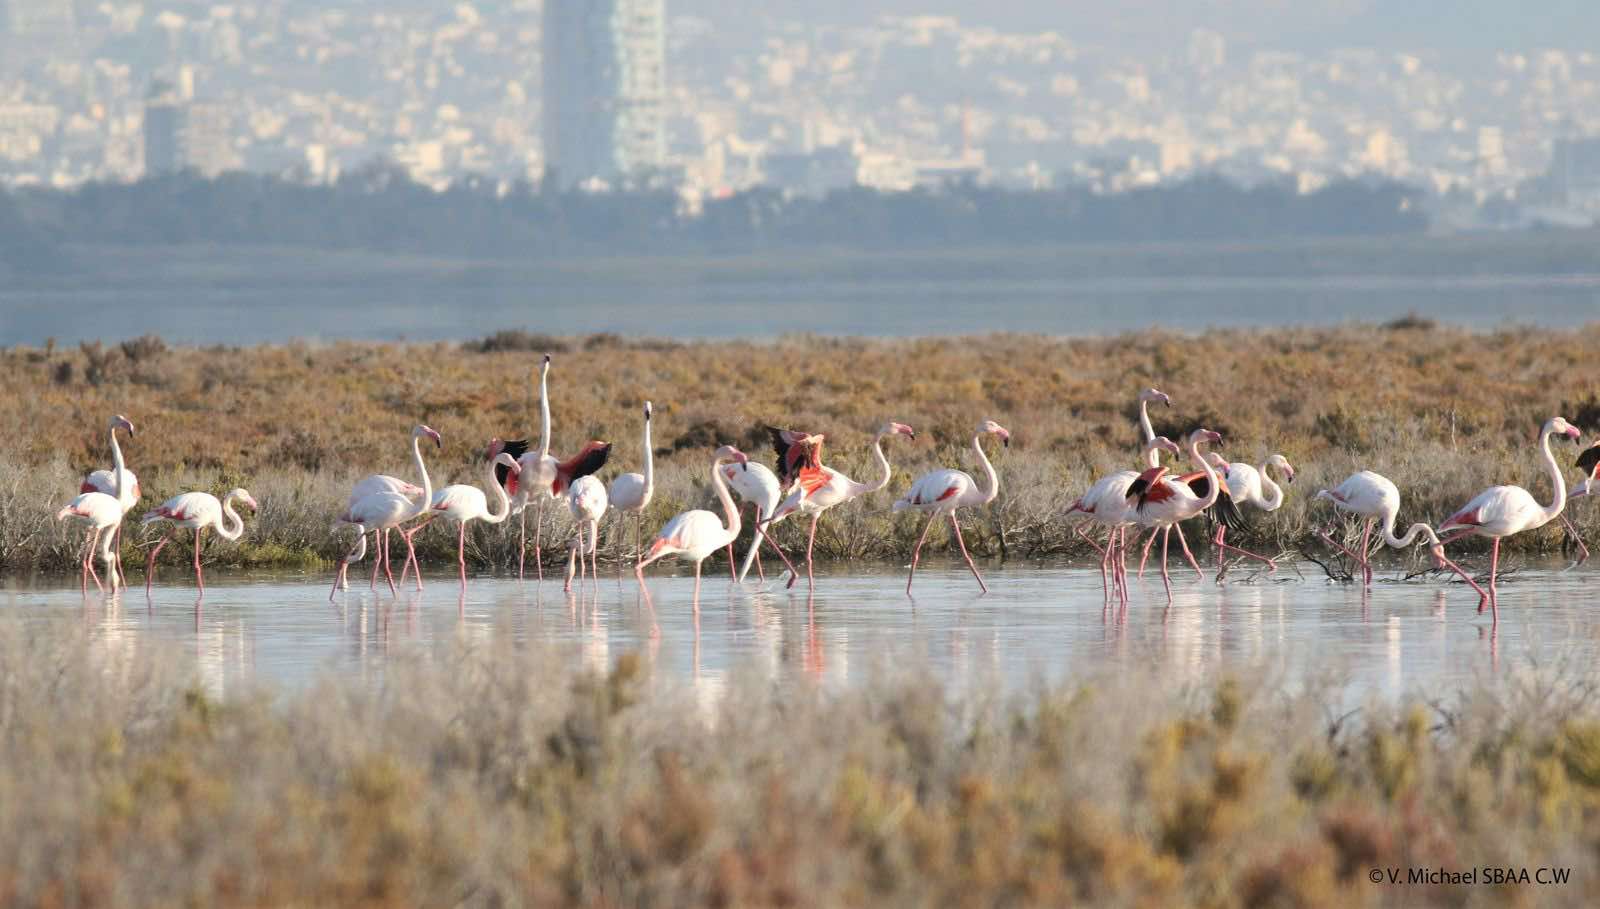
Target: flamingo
x,y
943,491
1501,511
696,534
196,511
541,472
1150,457
836,489
101,481
1106,504
757,484
1162,502
103,511
631,492
586,499
463,502
1374,497
1247,485
378,483
386,510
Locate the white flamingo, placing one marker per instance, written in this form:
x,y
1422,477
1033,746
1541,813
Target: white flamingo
x,y
384,511
587,502
836,489
195,511
103,511
1246,484
1374,497
755,483
463,503
1501,511
543,473
630,493
942,492
696,534
1162,502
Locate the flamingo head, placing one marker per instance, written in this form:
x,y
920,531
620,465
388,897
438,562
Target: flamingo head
x,y
648,410
504,459
1282,463
1200,436
544,365
997,429
121,422
1162,443
1558,426
729,453
1152,394
422,431
496,446
890,428
1216,460
244,496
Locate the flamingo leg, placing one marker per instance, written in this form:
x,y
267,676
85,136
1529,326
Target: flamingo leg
x,y
733,569
388,565
411,551
538,538
1326,538
1165,580
914,552
1221,546
1494,592
572,553
1366,554
697,595
1146,556
379,545
1105,559
461,553
775,548
594,552
1186,553
1583,551
1216,541
199,577
811,543
522,539
965,555
1439,558
1078,529
150,562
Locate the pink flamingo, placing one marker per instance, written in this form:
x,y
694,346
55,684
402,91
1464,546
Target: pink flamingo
x,y
105,481
378,483
103,511
542,472
757,484
1106,504
1162,502
196,511
383,511
586,499
1374,497
1501,511
835,489
942,492
1247,485
462,502
631,493
696,534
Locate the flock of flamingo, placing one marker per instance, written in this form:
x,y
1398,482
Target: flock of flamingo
x,y
1154,500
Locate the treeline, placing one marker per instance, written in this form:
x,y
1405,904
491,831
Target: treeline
x,y
379,208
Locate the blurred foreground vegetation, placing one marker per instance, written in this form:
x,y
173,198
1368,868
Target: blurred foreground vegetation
x,y
483,776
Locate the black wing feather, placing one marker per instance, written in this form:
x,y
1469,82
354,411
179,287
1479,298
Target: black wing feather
x,y
1226,512
592,460
516,448
1589,458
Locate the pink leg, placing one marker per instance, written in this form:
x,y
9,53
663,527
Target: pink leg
x,y
1366,554
522,539
1494,592
1105,559
379,544
1078,529
538,539
1583,551
1339,546
1442,562
769,541
811,542
1221,546
1119,564
1222,533
916,552
1146,556
150,562
1165,580
594,552
411,551
199,579
461,553
963,544
697,594
1186,553
388,566
733,568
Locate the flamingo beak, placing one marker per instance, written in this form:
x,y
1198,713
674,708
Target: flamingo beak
x,y
1573,432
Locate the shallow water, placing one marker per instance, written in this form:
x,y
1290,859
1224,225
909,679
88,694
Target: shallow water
x,y
1039,621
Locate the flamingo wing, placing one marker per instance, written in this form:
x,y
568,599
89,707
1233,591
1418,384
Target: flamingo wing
x,y
516,448
796,451
588,461
458,500
1146,483
1589,459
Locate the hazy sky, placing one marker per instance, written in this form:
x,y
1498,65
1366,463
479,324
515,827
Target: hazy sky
x,y
1444,24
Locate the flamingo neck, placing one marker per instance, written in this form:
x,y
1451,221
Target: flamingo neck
x,y
119,480
883,462
232,526
1412,533
987,495
728,506
649,464
1274,499
491,516
425,502
1559,502
1152,458
544,414
1212,480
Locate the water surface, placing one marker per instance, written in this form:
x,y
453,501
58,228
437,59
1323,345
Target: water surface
x,y
1039,621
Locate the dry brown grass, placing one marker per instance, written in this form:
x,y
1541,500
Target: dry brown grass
x,y
484,776
1444,412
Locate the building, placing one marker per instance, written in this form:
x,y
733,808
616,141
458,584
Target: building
x,y
604,90
165,117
